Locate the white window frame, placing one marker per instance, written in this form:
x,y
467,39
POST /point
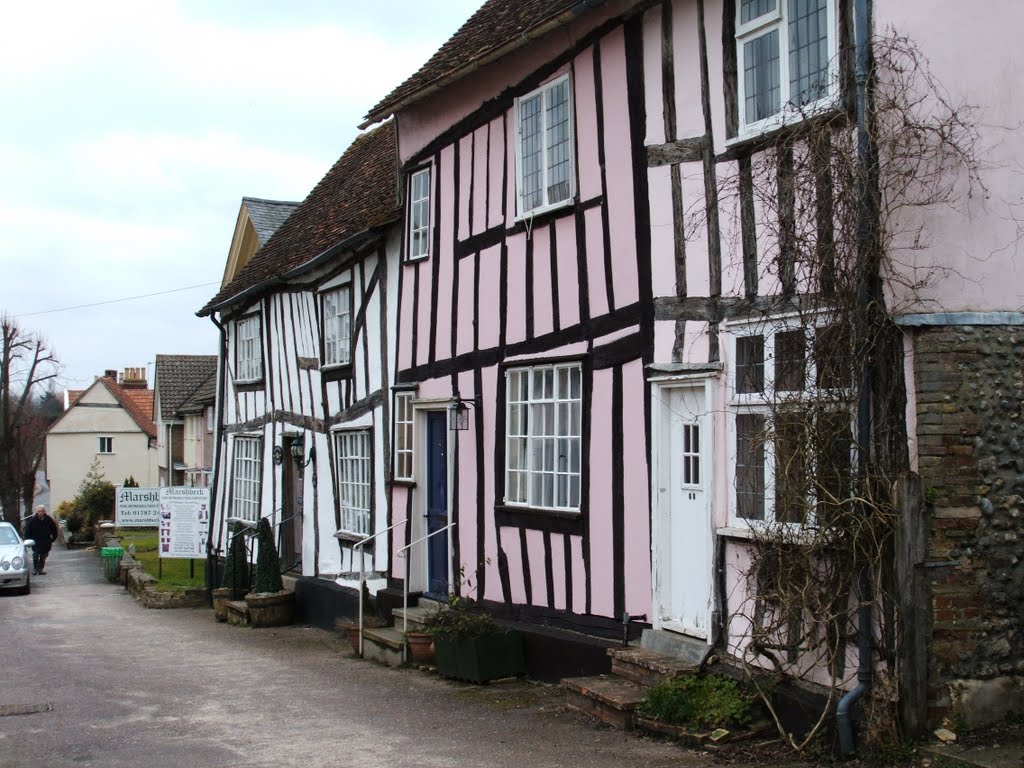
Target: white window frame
x,y
788,112
337,327
545,205
404,436
526,443
767,401
353,456
208,413
108,442
249,348
247,477
420,212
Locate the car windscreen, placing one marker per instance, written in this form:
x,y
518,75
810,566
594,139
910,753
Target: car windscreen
x,y
8,536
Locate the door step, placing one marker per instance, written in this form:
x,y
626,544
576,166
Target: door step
x,y
613,698
383,644
609,698
418,615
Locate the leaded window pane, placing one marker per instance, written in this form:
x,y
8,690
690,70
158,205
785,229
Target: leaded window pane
x,y
750,364
750,466
808,51
751,9
761,77
355,481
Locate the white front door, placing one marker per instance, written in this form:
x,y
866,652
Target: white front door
x,y
682,551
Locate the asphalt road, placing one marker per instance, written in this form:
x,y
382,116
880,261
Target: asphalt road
x,y
120,685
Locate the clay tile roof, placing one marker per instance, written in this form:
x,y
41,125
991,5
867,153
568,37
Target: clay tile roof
x,y
495,25
178,376
268,215
138,403
359,193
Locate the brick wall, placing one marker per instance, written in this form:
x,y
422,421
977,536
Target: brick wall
x,y
970,431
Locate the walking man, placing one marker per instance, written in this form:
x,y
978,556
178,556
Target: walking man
x,y
41,529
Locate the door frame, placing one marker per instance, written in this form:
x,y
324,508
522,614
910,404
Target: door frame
x,y
419,574
662,389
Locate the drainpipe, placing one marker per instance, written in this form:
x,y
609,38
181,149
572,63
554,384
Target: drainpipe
x,y
865,238
211,559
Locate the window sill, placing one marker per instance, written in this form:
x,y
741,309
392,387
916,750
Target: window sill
x,y
403,483
770,130
353,538
416,259
249,385
531,518
735,532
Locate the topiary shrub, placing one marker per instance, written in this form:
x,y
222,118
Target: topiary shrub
x,y
698,703
71,513
268,565
236,568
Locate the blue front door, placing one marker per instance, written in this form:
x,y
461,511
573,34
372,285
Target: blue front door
x,y
437,503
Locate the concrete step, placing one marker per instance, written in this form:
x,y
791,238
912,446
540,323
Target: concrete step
x,y
431,604
611,699
383,645
646,667
417,616
680,646
238,613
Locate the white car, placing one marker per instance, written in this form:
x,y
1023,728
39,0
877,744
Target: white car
x,y
14,560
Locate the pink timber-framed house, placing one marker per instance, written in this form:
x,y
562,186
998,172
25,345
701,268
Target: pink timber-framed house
x,y
579,375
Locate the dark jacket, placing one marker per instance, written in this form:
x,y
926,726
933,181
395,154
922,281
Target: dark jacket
x,y
41,530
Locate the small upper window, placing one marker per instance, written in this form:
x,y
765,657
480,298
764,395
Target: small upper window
x,y
544,150
419,214
786,51
337,306
403,436
106,445
209,419
248,349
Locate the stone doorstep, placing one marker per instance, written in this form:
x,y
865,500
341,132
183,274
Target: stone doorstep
x,y
610,699
383,644
416,615
238,613
646,667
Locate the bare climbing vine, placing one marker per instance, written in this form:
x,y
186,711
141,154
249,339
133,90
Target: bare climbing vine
x,y
839,237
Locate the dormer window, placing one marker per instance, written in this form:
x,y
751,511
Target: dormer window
x,y
786,54
248,349
419,215
544,148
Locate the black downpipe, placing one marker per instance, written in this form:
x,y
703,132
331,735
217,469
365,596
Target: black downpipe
x,y
865,244
212,577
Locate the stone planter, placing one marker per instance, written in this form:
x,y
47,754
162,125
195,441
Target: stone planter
x,y
221,597
271,609
420,646
479,659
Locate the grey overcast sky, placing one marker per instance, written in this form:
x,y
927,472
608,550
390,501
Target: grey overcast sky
x,y
130,131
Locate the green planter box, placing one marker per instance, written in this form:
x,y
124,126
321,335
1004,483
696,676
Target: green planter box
x,y
479,659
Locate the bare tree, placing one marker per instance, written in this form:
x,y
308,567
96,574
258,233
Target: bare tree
x,y
26,365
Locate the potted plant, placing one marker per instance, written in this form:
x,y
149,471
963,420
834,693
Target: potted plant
x,y
269,604
472,646
420,645
236,578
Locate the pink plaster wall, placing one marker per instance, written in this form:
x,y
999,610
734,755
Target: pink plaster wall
x,y
636,486
515,319
513,554
568,273
543,309
596,275
601,546
466,298
663,271
619,165
496,164
589,182
491,382
579,573
558,585
490,291
538,578
465,145
653,102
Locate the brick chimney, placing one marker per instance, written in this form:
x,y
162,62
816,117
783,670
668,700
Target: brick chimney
x,y
110,374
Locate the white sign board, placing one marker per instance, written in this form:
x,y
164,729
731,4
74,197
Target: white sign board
x,y
137,507
184,521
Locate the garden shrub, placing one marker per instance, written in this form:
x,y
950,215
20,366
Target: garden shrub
x,y
698,703
268,565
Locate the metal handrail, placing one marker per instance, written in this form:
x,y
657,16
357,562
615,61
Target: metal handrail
x,y
359,547
405,586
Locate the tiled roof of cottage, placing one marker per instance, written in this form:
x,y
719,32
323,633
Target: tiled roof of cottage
x,y
204,395
178,376
359,192
495,25
138,403
268,215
